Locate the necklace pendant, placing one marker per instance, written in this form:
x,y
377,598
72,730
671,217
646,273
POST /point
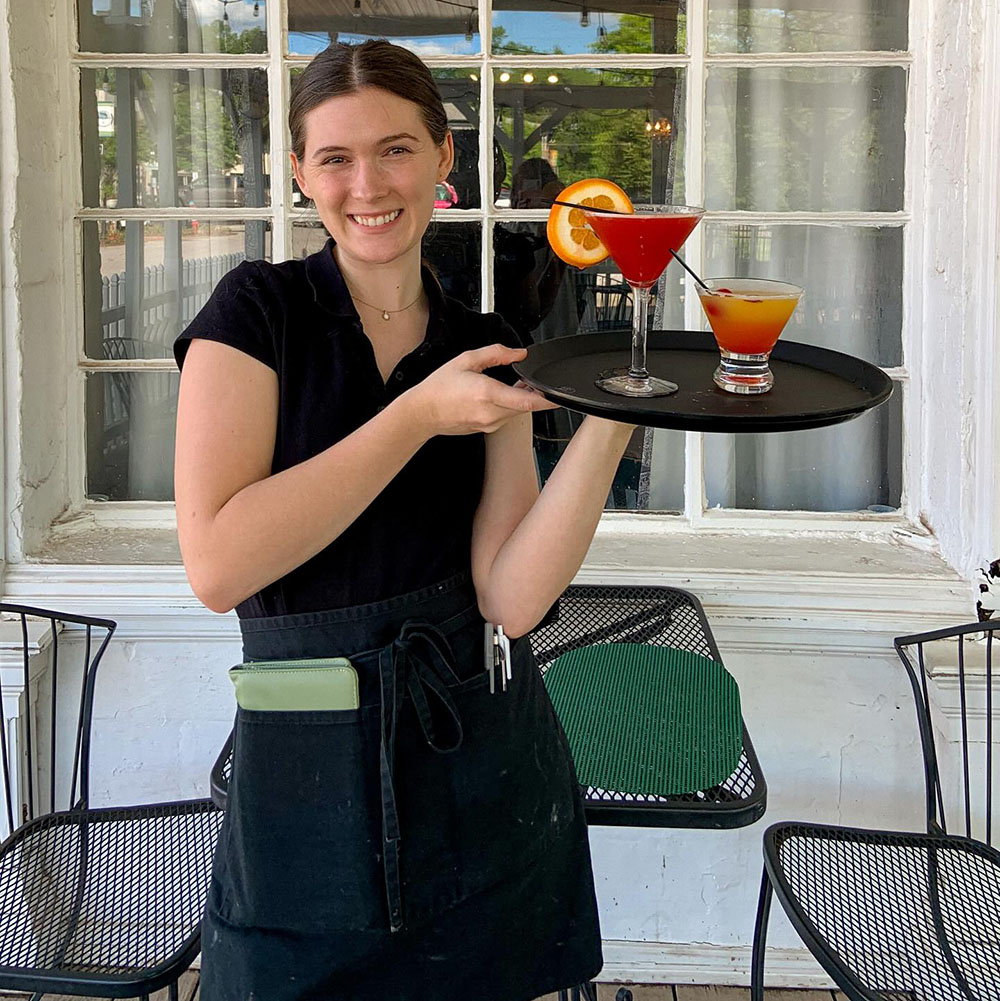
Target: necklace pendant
x,y
385,314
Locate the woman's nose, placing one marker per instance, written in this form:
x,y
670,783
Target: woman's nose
x,y
369,180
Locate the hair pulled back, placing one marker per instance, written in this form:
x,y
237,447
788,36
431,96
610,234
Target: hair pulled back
x,y
344,69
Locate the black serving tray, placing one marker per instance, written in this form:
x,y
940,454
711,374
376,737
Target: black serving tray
x,y
813,387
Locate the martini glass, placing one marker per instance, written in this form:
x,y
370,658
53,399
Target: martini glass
x,y
641,244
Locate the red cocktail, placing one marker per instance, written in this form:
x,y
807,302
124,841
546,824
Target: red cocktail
x,y
641,244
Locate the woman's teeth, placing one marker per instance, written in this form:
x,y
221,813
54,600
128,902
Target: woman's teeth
x,y
375,220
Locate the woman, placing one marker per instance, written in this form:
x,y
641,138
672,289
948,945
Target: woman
x,y
350,479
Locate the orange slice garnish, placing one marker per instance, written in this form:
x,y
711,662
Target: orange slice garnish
x,y
569,234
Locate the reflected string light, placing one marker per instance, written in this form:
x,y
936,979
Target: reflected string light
x,y
528,78
660,129
504,77
552,78
356,12
474,78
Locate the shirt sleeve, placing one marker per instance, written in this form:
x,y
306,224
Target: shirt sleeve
x,y
235,314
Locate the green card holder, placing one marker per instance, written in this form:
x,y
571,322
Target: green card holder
x,y
322,683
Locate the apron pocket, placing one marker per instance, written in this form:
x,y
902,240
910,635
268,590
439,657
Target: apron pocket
x,y
477,815
305,834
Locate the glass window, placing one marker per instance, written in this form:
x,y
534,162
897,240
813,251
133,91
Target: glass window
x,y
237,26
855,466
130,435
429,28
779,136
560,28
145,281
590,123
167,137
852,276
454,253
807,25
800,139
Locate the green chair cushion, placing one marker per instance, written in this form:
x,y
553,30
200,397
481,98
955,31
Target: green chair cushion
x,y
647,720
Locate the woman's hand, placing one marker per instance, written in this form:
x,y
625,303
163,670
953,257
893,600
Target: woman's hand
x,y
458,399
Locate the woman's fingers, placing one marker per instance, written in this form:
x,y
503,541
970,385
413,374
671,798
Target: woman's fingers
x,y
492,355
522,400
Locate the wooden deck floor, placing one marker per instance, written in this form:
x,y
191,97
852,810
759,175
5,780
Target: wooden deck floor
x,y
605,992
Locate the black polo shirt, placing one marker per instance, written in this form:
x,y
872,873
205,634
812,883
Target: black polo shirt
x,y
298,319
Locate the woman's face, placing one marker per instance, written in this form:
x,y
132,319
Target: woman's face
x,y
370,167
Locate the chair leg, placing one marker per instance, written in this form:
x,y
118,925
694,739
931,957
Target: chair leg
x,y
759,938
564,995
172,991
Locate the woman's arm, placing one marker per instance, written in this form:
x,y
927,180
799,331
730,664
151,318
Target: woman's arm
x,y
241,528
526,546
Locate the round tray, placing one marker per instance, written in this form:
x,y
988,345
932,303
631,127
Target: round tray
x,y
813,387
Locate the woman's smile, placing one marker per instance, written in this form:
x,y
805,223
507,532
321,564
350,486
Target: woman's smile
x,y
379,222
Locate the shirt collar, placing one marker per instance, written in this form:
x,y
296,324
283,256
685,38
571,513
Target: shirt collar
x,y
331,293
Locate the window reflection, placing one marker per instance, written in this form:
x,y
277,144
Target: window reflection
x,y
427,27
593,123
559,26
807,25
235,26
163,137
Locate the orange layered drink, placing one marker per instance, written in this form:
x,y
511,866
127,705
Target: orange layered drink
x,y
747,316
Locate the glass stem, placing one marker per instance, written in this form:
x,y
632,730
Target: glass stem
x,y
640,318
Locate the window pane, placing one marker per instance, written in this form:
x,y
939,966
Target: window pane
x,y
168,26
430,28
453,251
807,25
650,476
145,281
847,467
827,139
130,435
852,277
542,298
590,123
552,26
460,93
164,137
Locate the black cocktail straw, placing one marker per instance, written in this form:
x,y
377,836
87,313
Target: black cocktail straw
x,y
588,208
680,261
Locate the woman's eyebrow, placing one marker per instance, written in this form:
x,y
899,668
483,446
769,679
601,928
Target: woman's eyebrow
x,y
326,150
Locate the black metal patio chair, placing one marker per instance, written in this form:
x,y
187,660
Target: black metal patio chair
x,y
93,902
895,915
659,616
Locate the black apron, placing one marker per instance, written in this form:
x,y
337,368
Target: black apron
x,y
429,843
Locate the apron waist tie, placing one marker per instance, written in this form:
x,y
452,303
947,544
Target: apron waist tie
x,y
419,661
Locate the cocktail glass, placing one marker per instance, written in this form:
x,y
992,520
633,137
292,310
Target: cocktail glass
x,y
747,316
641,244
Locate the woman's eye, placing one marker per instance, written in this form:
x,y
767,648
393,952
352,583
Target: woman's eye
x,y
398,149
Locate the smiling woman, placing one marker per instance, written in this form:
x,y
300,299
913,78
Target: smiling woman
x,y
354,473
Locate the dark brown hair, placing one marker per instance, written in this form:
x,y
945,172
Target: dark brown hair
x,y
344,69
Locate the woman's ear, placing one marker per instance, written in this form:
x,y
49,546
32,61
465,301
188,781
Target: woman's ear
x,y
447,153
299,179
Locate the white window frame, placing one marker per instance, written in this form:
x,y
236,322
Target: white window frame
x,y
926,107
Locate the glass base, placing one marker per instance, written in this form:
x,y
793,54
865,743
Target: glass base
x,y
744,374
619,382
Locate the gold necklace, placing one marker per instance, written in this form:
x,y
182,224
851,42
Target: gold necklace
x,y
386,313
